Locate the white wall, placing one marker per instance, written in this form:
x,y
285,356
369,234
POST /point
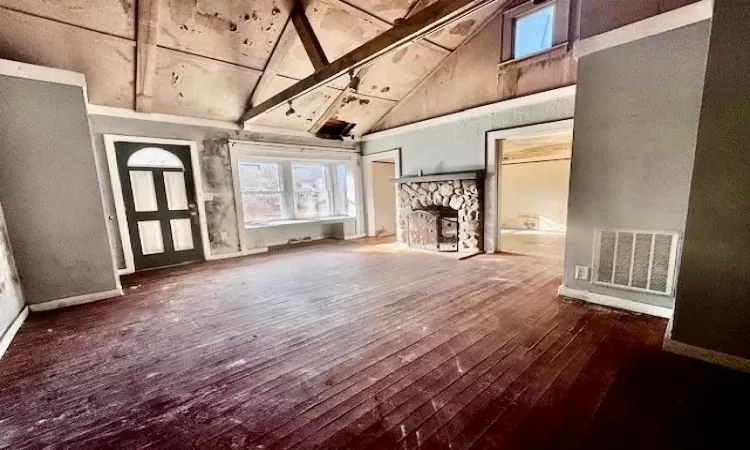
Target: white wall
x,y
539,188
384,189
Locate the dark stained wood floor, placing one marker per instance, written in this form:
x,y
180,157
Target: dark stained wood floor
x,y
335,346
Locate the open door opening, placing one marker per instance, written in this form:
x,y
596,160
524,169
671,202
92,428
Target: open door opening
x,y
384,188
534,183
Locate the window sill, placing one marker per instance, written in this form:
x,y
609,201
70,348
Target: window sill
x,y
557,52
292,222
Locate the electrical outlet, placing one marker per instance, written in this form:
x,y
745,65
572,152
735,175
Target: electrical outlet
x,y
224,236
582,273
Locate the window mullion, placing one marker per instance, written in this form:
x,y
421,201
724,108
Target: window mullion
x,y
288,184
331,189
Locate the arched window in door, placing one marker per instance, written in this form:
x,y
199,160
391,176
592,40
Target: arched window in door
x,y
155,157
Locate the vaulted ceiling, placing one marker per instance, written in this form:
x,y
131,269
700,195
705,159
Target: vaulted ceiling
x,y
212,56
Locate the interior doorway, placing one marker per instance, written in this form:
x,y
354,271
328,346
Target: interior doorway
x,y
380,173
533,191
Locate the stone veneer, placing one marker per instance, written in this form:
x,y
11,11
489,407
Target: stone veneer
x,y
464,196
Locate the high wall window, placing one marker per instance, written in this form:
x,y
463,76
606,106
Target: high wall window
x,y
288,190
531,28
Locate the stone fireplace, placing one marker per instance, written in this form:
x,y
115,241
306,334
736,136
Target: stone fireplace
x,y
442,212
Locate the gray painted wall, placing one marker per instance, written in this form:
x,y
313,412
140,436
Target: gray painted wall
x,y
50,191
11,299
217,180
713,295
459,146
637,111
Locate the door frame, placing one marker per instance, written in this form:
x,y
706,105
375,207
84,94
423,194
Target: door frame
x,y
114,178
494,165
367,161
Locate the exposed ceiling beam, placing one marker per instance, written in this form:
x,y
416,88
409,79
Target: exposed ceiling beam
x,y
307,36
146,50
424,22
346,5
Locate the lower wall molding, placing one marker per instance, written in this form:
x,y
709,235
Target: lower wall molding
x,y
616,302
77,300
709,356
10,333
253,251
355,236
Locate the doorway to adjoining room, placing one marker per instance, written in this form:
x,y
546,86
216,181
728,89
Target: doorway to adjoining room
x,y
534,183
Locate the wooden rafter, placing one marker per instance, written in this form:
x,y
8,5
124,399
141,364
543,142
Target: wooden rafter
x,y
146,53
307,36
422,23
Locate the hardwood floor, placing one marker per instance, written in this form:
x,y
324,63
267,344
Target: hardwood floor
x,y
335,345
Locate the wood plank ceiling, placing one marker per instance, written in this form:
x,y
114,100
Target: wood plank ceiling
x,y
203,58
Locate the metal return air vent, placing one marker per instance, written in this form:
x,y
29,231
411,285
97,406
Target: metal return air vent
x,y
636,260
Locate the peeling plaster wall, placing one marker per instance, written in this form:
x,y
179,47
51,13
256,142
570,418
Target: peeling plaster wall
x,y
11,300
634,146
51,193
218,188
470,77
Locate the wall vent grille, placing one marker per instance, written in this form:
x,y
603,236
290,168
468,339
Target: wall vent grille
x,y
636,260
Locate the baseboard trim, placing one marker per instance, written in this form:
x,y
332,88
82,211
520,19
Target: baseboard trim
x,y
616,302
355,236
709,356
253,251
10,333
77,300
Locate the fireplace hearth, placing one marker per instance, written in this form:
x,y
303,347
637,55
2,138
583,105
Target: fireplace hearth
x,y
442,212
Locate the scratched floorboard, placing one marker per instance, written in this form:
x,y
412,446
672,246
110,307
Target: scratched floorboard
x,y
332,345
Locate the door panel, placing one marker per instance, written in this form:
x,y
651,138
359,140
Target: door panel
x,y
160,203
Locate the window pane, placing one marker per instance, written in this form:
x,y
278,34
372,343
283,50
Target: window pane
x,y
264,177
533,33
261,206
309,177
144,191
311,204
174,184
149,233
351,195
154,157
182,234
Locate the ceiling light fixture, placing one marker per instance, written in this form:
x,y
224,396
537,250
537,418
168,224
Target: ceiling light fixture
x,y
291,110
353,81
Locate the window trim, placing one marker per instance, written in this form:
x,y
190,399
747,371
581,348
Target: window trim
x,y
249,240
559,31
